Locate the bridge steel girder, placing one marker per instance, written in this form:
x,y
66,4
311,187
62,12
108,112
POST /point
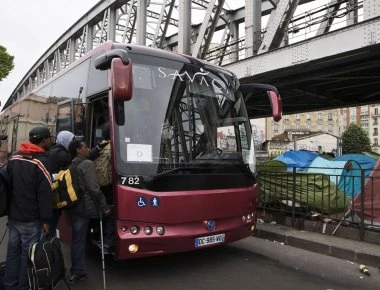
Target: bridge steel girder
x,y
104,22
318,67
329,16
207,28
339,41
278,24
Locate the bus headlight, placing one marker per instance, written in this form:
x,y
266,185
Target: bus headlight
x,y
160,230
135,230
133,248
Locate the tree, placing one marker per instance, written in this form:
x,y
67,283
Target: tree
x,y
6,62
355,140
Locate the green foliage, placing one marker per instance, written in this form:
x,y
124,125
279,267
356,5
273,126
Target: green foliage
x,y
6,63
355,140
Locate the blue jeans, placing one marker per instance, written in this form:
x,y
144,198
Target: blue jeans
x,y
21,236
79,225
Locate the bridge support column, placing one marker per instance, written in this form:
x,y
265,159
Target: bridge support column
x,y
252,27
234,31
184,27
141,22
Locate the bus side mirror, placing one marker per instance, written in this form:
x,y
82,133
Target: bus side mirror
x,y
253,95
276,103
121,80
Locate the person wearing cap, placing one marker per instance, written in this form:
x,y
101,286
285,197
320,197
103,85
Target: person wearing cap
x,y
31,204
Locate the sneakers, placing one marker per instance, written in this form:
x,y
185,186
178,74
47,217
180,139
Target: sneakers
x,y
75,278
108,249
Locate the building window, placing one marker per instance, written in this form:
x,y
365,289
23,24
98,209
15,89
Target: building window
x,y
330,128
319,116
375,142
376,111
329,117
375,133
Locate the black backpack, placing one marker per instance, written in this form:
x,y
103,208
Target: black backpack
x,y
46,266
5,194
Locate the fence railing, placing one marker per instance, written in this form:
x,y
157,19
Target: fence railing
x,y
350,194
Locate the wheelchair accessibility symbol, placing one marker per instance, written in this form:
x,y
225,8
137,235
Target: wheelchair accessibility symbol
x,y
141,201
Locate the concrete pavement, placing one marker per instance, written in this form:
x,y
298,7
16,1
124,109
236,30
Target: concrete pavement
x,y
361,252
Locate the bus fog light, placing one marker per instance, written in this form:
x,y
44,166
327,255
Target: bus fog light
x,y
135,230
148,230
124,228
252,228
160,230
133,248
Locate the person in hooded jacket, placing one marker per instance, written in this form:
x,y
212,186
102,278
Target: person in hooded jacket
x,y
91,205
60,158
31,204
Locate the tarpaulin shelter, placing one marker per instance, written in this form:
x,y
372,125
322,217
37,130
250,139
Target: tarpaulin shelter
x,y
351,178
310,191
370,198
332,168
300,159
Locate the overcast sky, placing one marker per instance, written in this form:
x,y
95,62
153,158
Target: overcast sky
x,y
29,27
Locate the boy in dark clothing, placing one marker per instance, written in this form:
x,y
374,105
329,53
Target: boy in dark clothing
x,y
30,209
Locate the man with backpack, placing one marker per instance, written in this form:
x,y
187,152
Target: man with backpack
x,y
91,205
31,205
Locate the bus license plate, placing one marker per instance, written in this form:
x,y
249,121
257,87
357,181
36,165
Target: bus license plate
x,y
209,240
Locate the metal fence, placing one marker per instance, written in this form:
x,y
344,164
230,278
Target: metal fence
x,y
350,195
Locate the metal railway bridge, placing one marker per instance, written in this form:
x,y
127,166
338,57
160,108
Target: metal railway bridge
x,y
323,57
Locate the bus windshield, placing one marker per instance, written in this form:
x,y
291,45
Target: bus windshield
x,y
181,115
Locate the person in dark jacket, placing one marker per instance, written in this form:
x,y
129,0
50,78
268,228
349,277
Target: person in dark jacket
x,y
60,158
31,204
92,204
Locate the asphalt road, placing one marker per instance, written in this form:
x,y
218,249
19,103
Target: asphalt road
x,y
252,263
248,264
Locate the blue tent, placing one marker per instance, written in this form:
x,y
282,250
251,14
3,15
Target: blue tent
x,y
298,159
335,169
350,183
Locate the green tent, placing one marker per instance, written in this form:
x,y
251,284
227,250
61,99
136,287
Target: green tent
x,y
313,191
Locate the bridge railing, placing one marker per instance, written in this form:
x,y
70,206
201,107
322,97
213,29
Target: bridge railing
x,y
302,26
350,196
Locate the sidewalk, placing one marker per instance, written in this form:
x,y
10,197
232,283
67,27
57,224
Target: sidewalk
x,y
339,247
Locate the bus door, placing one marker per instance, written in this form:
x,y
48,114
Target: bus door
x,y
99,119
70,117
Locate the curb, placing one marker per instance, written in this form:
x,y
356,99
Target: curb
x,y
355,251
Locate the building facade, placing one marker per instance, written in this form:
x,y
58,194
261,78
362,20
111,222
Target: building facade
x,y
332,122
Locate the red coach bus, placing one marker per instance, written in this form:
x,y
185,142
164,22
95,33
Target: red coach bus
x,y
182,146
